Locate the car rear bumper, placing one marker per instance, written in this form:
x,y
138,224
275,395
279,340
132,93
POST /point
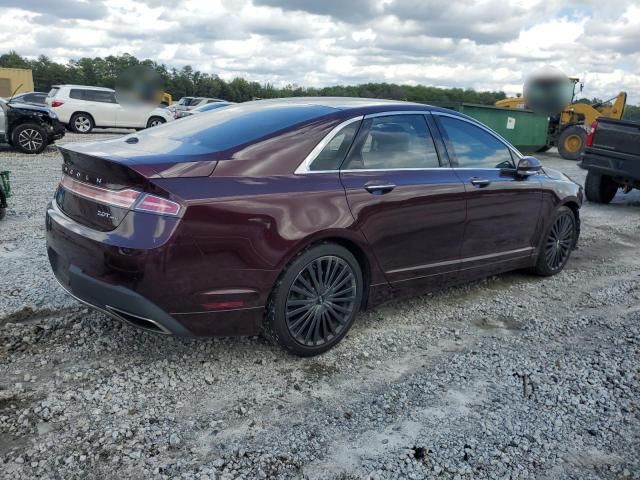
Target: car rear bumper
x,y
118,302
136,286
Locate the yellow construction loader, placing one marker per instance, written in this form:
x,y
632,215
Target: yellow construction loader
x,y
568,127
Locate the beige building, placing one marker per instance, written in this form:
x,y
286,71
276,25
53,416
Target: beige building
x,y
14,81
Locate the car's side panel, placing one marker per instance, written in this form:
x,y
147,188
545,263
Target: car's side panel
x,y
255,226
501,217
416,229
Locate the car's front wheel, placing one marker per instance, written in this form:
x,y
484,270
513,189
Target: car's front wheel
x,y
29,138
558,242
81,123
155,121
316,300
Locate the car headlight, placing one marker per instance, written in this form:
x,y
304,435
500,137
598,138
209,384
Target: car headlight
x,y
53,114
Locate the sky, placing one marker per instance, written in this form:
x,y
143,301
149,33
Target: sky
x,y
483,44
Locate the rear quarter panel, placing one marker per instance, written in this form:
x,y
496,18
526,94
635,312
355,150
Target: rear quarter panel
x,y
254,227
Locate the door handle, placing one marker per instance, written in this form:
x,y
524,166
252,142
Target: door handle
x,y
379,188
480,182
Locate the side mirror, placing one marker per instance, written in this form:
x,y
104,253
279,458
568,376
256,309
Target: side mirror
x,y
528,166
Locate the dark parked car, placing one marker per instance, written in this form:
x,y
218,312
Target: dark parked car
x,y
32,98
29,128
207,107
611,158
289,216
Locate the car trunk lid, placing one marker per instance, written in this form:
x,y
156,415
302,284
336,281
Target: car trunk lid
x,y
101,184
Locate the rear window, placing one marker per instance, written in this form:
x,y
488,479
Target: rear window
x,y
235,125
53,92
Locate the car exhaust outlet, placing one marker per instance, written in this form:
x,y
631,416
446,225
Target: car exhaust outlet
x,y
137,321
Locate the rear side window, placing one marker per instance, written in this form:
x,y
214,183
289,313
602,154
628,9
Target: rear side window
x,y
474,147
332,155
394,142
102,96
76,94
236,125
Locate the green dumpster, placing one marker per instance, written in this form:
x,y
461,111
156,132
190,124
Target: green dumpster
x,y
524,129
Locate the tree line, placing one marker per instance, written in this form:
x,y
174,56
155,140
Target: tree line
x,y
103,72
186,81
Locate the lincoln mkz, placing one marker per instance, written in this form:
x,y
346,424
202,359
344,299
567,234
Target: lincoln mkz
x,y
287,217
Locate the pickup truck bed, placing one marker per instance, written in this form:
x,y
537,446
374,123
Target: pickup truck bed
x,y
611,158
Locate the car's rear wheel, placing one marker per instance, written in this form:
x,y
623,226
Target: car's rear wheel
x,y
600,188
557,243
81,123
29,138
155,121
316,300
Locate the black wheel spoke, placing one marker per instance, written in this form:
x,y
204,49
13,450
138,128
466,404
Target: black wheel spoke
x,y
321,300
558,245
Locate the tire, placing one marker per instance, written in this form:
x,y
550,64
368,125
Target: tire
x,y
600,188
81,123
557,243
543,149
571,142
29,138
155,121
300,320
3,212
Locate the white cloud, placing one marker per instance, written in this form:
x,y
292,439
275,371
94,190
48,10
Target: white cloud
x,y
483,44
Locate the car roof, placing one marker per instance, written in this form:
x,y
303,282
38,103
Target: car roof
x,y
86,87
340,103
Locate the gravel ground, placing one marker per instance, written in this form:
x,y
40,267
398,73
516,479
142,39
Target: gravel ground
x,y
512,377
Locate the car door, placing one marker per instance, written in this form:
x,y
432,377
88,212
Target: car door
x,y
502,208
102,106
133,115
406,199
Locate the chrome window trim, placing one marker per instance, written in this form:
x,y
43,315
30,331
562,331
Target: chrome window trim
x,y
303,168
489,131
396,112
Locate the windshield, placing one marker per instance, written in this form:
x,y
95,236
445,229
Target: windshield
x,y
224,128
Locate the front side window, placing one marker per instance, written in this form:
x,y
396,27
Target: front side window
x,y
473,147
394,142
334,152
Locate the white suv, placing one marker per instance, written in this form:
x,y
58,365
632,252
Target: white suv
x,y
82,108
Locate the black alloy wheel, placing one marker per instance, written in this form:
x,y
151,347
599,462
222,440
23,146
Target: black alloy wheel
x,y
316,300
321,301
558,244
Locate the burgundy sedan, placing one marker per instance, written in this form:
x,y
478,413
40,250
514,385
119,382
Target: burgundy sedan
x,y
289,216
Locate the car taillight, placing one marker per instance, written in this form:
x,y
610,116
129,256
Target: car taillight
x,y
57,103
116,198
125,198
592,131
153,204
